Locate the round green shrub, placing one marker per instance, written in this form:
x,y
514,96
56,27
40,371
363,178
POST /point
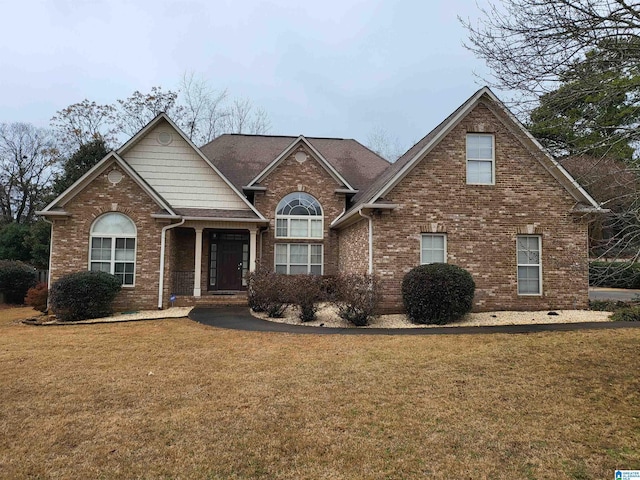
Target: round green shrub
x,y
630,314
437,293
84,295
16,278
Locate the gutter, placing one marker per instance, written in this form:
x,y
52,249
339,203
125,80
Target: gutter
x,y
162,249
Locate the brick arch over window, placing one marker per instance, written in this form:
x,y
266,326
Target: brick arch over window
x,y
113,247
299,215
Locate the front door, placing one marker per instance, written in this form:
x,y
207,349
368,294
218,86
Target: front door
x,y
228,260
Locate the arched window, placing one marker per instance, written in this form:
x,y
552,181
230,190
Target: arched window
x,y
113,247
299,215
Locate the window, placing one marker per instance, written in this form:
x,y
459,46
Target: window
x,y
529,265
480,159
298,258
434,249
299,215
113,247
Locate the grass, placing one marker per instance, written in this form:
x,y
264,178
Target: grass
x,y
175,399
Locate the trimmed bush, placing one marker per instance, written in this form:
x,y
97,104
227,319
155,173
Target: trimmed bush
x,y
16,278
37,297
614,274
305,291
357,298
437,293
268,292
84,295
631,314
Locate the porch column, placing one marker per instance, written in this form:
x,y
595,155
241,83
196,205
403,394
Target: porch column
x,y
253,236
197,268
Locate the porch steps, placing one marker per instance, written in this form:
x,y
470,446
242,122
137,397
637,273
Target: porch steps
x,y
218,299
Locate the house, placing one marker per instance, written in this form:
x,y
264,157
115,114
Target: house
x,y
169,218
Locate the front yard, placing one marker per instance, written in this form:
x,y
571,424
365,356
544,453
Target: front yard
x,y
175,399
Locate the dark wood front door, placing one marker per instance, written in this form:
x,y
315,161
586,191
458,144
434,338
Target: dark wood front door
x,y
228,260
230,266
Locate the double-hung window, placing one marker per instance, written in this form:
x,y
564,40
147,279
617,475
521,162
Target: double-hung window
x,y
433,248
480,159
529,248
299,215
113,247
298,258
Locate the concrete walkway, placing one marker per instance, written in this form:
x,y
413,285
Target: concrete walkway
x,y
239,318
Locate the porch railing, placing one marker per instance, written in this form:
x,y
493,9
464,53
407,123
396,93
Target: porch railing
x,y
183,283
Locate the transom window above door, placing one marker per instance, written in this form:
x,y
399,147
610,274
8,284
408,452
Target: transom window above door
x,y
299,215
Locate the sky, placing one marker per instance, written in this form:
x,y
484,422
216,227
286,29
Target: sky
x,y
332,68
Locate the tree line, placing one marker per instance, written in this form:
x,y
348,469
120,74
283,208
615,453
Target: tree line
x,y
38,164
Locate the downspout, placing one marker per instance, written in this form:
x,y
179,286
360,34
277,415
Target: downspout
x,y
370,218
162,248
50,257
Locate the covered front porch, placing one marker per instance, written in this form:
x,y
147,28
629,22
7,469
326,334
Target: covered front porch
x,y
211,259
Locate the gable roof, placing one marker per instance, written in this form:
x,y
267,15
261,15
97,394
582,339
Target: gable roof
x,y
397,171
245,158
163,117
56,206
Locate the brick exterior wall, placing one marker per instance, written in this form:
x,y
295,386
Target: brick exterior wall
x,y
353,245
310,177
481,222
70,249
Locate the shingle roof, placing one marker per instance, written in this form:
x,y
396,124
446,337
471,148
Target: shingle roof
x,y
242,157
216,213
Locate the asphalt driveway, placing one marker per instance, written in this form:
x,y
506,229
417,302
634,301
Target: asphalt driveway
x,y
239,318
598,293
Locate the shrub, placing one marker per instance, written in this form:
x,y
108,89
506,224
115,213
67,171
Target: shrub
x,y
357,298
268,292
16,278
84,295
610,305
437,293
631,314
614,274
305,291
37,297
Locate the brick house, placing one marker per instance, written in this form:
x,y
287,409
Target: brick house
x,y
478,191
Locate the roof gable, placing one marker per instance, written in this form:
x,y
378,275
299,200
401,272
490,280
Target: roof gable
x,y
288,151
59,202
403,166
179,171
243,158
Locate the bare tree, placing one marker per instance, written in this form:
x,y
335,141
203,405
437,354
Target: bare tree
x,y
82,123
527,44
28,159
384,145
244,117
133,113
204,109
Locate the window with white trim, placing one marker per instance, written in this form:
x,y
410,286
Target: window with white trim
x,y
113,247
529,249
434,248
298,258
480,159
299,215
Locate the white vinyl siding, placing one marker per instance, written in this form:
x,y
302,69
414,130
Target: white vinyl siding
x,y
480,159
298,258
433,248
529,249
179,174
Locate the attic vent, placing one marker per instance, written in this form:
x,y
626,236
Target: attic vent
x,y
114,177
300,157
164,138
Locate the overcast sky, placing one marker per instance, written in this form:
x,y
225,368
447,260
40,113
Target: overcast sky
x,y
337,68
